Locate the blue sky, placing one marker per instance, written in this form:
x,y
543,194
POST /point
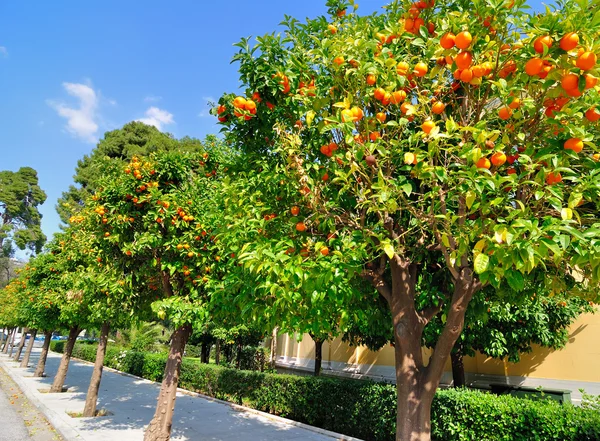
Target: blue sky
x,y
72,70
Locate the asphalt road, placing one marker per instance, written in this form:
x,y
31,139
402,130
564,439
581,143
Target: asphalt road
x,y
12,426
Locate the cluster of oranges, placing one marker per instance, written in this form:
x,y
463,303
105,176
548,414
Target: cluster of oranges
x,y
413,21
328,149
244,107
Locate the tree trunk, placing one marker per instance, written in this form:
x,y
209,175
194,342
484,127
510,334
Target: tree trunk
x,y
204,352
318,354
7,342
238,359
25,362
2,337
91,399
61,374
274,347
160,426
41,366
11,342
21,345
218,352
416,382
458,369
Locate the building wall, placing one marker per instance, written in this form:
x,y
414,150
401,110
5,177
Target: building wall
x,y
579,361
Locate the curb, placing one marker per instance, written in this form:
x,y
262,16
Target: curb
x,y
64,430
334,435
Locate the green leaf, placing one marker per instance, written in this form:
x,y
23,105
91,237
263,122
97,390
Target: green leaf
x,y
470,198
481,263
515,280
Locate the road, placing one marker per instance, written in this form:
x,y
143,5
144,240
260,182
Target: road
x,y
19,419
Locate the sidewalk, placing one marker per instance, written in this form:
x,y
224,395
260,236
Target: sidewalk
x,y
132,403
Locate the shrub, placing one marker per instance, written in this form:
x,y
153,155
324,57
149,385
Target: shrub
x,y
255,358
366,409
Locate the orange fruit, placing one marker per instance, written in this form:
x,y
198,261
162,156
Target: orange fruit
x,y
590,81
420,69
574,144
347,115
498,159
295,210
374,136
405,107
540,42
371,79
553,178
379,93
332,28
574,92
239,102
456,74
447,40
398,96
466,75
300,226
410,158
427,126
484,163
570,81
515,104
504,113
569,41
381,116
534,66
438,107
324,251
586,60
463,40
479,71
596,157
357,114
339,60
592,114
463,60
402,68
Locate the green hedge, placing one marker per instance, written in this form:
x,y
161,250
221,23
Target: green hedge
x,y
366,409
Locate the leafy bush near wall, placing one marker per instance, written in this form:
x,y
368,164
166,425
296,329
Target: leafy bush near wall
x,y
365,409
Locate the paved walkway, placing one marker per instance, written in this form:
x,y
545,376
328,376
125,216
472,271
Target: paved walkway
x,y
132,402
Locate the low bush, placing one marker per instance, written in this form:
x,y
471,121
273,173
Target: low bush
x,y
366,409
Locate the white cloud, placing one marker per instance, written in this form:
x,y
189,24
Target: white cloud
x,y
152,99
81,121
3,51
157,117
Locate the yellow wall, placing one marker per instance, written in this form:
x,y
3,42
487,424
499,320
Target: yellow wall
x,y
579,360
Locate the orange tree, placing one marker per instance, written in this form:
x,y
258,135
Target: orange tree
x,y
148,218
452,139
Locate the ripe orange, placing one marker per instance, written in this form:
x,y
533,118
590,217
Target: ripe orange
x,y
534,66
447,40
339,60
402,68
325,177
371,79
574,144
239,102
553,178
569,41
463,40
590,81
381,117
420,69
347,115
596,157
379,93
592,114
301,226
374,136
504,113
498,159
515,104
466,75
427,126
463,60
332,28
398,96
295,210
484,163
540,42
438,107
410,158
479,71
586,60
570,81
324,251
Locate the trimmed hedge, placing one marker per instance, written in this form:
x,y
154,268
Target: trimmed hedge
x,y
365,409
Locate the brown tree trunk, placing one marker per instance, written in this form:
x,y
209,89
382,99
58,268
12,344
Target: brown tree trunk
x,y
238,358
416,382
160,426
25,362
318,354
61,374
204,352
458,369
91,399
41,366
7,342
218,352
21,345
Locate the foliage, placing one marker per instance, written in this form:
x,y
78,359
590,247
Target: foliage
x,y
589,401
144,336
366,409
20,197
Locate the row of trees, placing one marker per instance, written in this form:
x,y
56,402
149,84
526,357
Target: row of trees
x,y
379,175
